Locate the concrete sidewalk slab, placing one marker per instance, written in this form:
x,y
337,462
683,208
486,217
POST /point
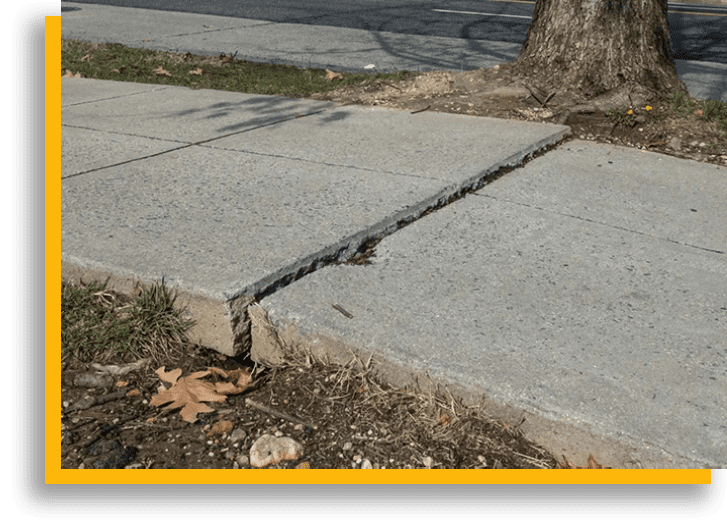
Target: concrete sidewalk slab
x,y
593,329
177,113
224,222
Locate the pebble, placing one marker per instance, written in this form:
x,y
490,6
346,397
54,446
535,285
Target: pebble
x,y
270,450
366,464
237,435
347,446
242,460
675,143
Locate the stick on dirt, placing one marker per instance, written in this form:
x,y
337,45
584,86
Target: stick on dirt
x,y
278,414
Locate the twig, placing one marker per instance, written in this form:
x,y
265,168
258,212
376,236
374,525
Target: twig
x,y
342,310
278,414
533,94
421,110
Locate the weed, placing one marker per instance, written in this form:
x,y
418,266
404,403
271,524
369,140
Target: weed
x,y
100,325
625,117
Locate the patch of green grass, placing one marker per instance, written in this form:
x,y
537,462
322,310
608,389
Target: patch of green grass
x,y
97,325
120,63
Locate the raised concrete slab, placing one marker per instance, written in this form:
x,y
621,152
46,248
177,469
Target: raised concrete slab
x,y
225,220
585,293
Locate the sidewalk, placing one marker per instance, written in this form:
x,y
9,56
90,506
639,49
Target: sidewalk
x,y
584,290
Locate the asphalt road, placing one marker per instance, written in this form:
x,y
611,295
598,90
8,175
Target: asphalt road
x,y
697,31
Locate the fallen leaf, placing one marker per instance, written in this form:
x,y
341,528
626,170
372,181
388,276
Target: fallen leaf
x,y
333,75
234,382
198,71
133,393
443,419
148,39
161,71
121,383
69,73
85,57
591,464
187,393
698,112
226,58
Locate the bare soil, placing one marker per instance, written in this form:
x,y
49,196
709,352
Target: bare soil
x,y
340,414
499,93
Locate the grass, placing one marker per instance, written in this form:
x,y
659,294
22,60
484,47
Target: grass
x,y
682,105
225,72
98,325
708,110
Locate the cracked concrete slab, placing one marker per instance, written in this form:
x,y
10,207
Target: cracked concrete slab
x,y
230,219
574,290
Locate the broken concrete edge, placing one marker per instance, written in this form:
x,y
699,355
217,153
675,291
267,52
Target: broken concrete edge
x,y
275,342
220,324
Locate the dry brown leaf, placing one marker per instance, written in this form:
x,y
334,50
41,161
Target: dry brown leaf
x,y
161,71
698,112
148,39
198,71
187,393
133,393
121,383
226,58
443,419
591,465
85,57
69,73
333,75
234,382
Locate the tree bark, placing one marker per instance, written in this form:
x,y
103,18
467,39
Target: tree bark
x,y
592,48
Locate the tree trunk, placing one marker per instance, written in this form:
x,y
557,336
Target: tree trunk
x,y
588,48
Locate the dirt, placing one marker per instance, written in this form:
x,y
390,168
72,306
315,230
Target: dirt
x,y
497,92
341,415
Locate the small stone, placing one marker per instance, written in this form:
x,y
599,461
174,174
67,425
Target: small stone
x,y
694,143
347,446
237,435
270,450
242,460
366,464
640,119
428,462
675,143
702,144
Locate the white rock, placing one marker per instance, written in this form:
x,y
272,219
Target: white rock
x,y
269,450
366,464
